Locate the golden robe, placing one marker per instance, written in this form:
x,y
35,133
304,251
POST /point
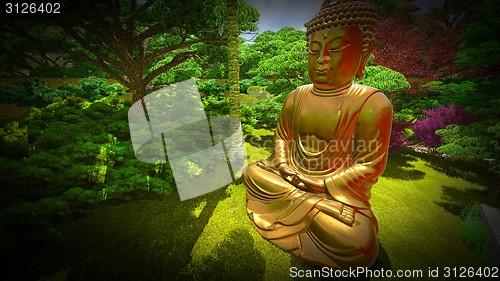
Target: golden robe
x,y
340,138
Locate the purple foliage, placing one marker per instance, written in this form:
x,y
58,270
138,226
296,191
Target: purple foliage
x,y
398,139
438,118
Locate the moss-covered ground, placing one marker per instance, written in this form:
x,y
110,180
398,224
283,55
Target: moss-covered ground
x,y
417,202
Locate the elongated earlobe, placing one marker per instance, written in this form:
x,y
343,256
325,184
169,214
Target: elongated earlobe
x,y
361,68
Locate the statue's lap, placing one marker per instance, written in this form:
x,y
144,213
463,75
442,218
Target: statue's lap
x,y
357,243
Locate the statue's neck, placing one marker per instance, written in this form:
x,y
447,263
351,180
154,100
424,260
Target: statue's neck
x,y
333,92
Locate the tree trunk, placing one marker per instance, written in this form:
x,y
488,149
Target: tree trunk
x,y
139,92
235,147
233,68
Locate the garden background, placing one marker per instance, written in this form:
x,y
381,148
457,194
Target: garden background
x,y
77,205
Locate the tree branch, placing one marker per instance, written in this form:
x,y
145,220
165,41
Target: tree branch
x,y
165,50
103,66
461,12
114,9
134,11
89,47
150,32
178,59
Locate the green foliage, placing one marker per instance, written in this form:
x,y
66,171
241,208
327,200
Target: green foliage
x,y
408,108
478,95
181,72
93,88
383,78
477,141
73,141
448,93
480,39
280,86
216,105
475,234
254,81
35,93
266,112
247,120
30,93
77,69
280,54
211,87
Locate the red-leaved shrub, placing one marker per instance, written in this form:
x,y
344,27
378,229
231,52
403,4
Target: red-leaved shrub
x,y
398,138
438,118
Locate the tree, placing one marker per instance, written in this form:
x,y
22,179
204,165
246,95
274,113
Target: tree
x,y
280,54
416,45
233,73
125,38
479,50
19,56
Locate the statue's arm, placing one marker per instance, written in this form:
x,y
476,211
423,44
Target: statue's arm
x,y
283,134
373,130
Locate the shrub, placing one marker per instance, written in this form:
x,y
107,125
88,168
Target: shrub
x,y
475,234
280,86
30,93
399,134
14,93
409,108
450,93
254,81
247,122
383,78
212,87
438,118
95,88
216,105
266,112
476,141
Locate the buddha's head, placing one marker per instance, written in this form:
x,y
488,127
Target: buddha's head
x,y
339,41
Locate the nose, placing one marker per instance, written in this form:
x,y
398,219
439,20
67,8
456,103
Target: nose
x,y
322,59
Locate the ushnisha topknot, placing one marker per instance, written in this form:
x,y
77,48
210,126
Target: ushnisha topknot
x,y
345,13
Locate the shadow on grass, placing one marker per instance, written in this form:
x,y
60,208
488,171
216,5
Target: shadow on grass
x,y
383,262
455,200
265,141
234,259
399,166
473,171
135,240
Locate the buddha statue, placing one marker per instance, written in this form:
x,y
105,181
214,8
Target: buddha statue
x,y
311,196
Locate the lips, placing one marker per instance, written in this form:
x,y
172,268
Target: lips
x,y
321,71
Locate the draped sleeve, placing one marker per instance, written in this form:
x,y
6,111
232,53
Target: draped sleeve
x,y
283,133
352,183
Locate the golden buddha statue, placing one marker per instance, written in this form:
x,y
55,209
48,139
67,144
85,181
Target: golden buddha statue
x,y
311,196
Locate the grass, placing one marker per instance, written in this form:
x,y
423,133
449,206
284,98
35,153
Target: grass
x,y
417,202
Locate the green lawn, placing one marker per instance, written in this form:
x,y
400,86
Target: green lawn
x,y
417,202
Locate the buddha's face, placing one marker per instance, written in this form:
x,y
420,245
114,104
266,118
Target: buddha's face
x,y
334,56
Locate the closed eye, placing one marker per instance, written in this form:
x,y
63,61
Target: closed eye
x,y
340,48
313,52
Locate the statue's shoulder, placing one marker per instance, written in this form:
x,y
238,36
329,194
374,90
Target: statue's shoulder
x,y
299,92
364,90
375,102
306,88
373,95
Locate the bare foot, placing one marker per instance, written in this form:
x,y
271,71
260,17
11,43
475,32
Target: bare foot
x,y
337,210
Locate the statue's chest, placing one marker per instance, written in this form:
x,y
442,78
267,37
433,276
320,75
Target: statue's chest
x,y
319,116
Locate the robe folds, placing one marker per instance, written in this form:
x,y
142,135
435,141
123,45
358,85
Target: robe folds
x,y
340,138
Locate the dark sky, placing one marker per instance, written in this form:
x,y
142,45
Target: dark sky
x,y
274,14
